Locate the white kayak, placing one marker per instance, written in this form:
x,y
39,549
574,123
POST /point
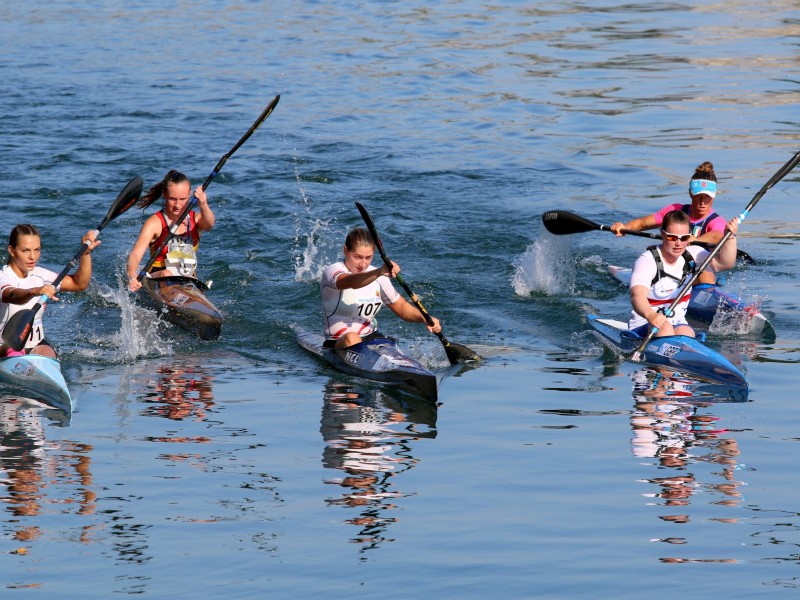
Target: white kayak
x,y
708,299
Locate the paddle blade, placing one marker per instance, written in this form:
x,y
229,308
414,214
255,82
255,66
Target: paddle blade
x,y
126,198
373,232
458,354
19,326
561,222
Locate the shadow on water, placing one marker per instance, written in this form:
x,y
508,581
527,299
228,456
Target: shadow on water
x,y
370,436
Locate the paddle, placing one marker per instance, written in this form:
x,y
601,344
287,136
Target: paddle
x,y
19,326
190,205
780,174
456,353
562,222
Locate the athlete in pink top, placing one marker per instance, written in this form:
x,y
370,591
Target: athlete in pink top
x,y
706,225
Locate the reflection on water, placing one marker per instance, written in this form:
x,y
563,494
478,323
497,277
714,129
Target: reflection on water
x,y
39,477
675,427
370,437
181,391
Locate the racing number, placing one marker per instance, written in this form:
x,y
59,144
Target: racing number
x,y
369,309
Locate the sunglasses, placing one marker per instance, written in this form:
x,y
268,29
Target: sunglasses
x,y
671,237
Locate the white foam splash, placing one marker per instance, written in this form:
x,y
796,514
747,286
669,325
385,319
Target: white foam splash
x,y
138,335
546,266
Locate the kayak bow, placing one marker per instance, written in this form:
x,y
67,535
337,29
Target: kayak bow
x,y
377,359
678,352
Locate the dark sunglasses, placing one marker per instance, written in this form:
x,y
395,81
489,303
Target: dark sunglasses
x,y
671,237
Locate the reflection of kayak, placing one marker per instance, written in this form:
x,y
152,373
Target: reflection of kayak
x,y
182,300
377,359
37,377
678,352
707,299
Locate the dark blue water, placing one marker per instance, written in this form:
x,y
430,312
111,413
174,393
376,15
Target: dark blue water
x,y
244,467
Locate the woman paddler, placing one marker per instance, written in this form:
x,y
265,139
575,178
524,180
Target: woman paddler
x,y
178,256
353,291
660,272
23,282
706,225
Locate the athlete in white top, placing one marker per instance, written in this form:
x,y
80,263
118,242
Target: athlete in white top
x,y
353,291
22,283
652,289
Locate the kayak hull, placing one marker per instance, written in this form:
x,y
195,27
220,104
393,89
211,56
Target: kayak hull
x,y
37,377
182,301
707,299
676,352
378,359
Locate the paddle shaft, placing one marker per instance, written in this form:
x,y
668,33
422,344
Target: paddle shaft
x,y
455,352
193,201
780,174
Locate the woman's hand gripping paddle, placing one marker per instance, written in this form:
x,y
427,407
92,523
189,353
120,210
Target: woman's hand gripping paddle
x,y
456,353
19,326
780,174
190,205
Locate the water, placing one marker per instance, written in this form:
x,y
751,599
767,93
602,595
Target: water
x,y
244,467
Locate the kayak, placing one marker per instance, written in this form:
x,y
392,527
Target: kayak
x,y
677,352
182,301
377,359
707,299
37,377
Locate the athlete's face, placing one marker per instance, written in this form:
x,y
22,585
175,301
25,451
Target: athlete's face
x,y
176,195
25,254
676,237
701,203
359,258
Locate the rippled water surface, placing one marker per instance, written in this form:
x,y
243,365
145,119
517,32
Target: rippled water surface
x,y
246,468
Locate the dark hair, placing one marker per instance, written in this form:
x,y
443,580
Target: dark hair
x,y
157,190
17,232
705,171
358,236
676,217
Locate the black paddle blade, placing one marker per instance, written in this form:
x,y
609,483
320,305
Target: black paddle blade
x,y
18,328
126,198
561,222
373,232
458,354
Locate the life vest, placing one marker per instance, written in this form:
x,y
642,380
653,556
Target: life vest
x,y
689,266
179,254
700,227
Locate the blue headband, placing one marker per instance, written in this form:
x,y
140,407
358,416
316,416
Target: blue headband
x,y
703,186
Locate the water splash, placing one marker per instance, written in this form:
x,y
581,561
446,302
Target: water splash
x,y
307,267
138,335
546,266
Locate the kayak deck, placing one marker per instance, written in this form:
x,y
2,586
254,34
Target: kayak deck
x,y
708,299
378,359
182,301
678,352
37,377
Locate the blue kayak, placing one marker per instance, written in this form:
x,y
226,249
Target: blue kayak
x,y
708,298
37,377
377,359
676,352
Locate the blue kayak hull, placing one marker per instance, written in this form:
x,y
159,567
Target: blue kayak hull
x,y
37,377
676,352
707,299
378,359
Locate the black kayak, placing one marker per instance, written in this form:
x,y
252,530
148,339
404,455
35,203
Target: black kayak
x,y
377,359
